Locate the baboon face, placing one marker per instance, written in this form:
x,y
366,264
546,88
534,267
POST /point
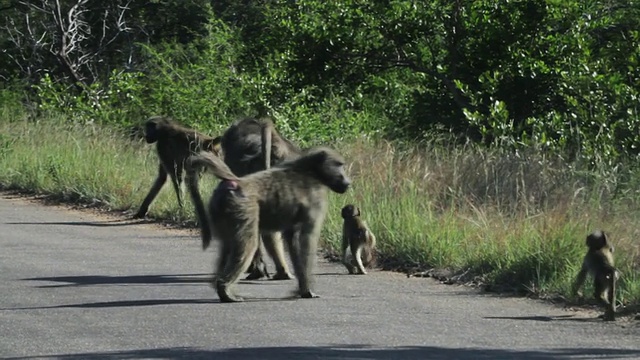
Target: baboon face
x,y
330,170
350,211
150,132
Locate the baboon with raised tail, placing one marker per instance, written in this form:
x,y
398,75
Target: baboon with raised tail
x,y
290,198
252,145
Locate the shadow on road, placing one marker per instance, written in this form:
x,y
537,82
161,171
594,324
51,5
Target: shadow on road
x,y
106,223
88,280
120,303
137,303
350,352
548,318
544,318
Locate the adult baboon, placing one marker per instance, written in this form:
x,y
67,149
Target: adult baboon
x,y
174,143
599,263
252,145
290,198
356,236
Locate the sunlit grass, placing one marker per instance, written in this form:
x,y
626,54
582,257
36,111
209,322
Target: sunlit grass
x,y
514,220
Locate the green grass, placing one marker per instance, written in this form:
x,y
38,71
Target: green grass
x,y
510,221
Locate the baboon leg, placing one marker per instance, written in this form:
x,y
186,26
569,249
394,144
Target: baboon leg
x,y
176,180
155,189
257,268
345,258
274,246
604,292
357,258
577,285
303,247
224,250
240,246
610,314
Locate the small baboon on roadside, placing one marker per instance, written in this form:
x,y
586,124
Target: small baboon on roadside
x,y
174,144
356,236
290,198
251,145
599,263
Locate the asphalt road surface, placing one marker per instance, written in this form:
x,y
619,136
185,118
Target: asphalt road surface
x,y
78,285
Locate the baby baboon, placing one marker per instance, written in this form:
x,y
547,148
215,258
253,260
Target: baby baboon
x,y
599,263
252,145
290,198
174,143
357,236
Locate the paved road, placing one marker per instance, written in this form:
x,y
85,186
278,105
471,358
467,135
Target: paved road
x,y
75,285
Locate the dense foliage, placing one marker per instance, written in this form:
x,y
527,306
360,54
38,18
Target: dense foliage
x,y
559,75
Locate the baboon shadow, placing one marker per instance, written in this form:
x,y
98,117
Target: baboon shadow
x,y
332,273
346,352
544,318
147,302
89,280
120,303
106,223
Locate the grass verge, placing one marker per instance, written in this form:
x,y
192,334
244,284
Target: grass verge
x,y
508,221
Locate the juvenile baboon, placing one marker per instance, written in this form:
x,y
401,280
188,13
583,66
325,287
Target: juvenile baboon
x,y
599,263
174,143
356,236
290,198
252,145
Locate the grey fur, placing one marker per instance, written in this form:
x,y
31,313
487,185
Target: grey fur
x,y
174,143
290,198
356,236
252,145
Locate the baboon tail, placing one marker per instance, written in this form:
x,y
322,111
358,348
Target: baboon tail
x,y
214,163
368,256
266,143
192,186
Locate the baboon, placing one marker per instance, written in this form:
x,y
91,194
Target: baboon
x,y
290,198
252,145
174,143
599,263
356,236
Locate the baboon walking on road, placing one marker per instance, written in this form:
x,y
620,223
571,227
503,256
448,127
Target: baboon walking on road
x,y
290,198
174,143
357,237
252,145
599,263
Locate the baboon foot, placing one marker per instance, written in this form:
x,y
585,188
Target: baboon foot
x,y
609,316
282,276
140,214
225,296
351,269
362,272
308,295
257,274
228,298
